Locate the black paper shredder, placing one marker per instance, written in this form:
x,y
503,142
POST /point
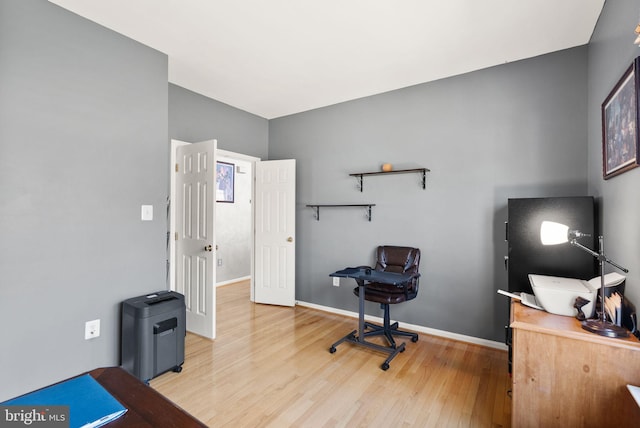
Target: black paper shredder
x,y
153,333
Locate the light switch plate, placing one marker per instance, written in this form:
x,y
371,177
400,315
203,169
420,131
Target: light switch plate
x,y
147,213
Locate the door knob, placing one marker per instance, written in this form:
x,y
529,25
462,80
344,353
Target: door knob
x,y
208,248
290,239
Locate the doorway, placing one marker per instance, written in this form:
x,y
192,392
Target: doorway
x,y
234,242
272,205
234,222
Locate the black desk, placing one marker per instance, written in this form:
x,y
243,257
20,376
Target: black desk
x,y
362,276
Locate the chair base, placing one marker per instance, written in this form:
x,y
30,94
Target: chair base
x,y
388,330
357,340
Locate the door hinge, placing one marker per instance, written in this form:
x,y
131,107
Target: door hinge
x,y
176,236
177,168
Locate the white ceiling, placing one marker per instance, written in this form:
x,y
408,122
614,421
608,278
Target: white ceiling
x,y
279,57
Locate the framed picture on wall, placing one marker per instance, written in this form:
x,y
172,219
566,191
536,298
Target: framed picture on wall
x,y
224,181
620,125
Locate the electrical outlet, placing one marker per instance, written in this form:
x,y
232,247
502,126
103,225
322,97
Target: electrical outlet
x,y
92,329
219,262
336,281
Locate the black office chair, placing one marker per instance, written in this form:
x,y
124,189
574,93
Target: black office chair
x,y
397,260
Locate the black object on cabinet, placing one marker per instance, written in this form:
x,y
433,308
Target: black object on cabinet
x,y
526,254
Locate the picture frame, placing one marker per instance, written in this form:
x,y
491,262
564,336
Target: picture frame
x,y
620,139
225,181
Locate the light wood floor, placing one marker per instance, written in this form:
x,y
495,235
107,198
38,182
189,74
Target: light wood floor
x,y
270,367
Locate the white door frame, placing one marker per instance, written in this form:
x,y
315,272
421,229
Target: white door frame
x,y
172,215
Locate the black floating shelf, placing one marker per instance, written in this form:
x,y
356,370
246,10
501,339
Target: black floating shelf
x,y
422,171
317,207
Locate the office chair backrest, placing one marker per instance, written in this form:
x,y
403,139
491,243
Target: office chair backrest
x,y
398,259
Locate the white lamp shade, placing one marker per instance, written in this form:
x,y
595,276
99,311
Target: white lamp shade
x,y
552,233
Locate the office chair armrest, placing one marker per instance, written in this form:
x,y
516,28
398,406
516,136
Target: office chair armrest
x,y
415,280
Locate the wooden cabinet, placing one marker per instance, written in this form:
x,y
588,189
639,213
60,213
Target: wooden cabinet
x,y
564,376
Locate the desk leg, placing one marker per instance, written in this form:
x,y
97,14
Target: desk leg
x,y
361,292
359,340
352,337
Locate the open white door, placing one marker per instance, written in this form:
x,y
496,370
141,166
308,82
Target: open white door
x,y
195,239
275,228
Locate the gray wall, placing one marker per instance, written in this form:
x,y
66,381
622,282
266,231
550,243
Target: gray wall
x,y
194,117
611,51
516,130
83,144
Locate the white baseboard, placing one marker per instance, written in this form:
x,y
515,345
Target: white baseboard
x,y
231,281
413,327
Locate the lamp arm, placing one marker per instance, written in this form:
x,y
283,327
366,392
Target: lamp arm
x,y
612,263
600,257
582,247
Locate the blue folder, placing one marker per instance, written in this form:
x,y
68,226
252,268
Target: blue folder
x,y
90,405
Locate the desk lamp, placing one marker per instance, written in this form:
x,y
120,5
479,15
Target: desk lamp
x,y
552,233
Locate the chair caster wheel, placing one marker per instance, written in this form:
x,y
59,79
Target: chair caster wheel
x,y
414,339
385,366
332,349
177,369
